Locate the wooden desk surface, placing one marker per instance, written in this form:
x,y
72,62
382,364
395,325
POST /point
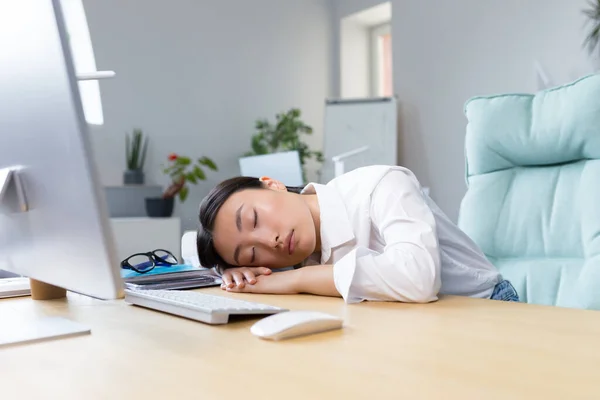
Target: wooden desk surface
x,y
455,348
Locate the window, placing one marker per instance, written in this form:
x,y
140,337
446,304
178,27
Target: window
x,y
366,53
381,61
82,52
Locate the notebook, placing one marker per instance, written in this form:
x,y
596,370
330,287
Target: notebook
x,y
14,287
174,277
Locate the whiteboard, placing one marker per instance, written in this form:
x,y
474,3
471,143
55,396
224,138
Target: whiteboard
x,y
354,123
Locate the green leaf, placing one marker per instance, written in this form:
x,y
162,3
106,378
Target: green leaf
x,y
258,147
593,15
127,151
261,124
208,162
283,135
144,150
183,160
320,157
191,177
178,170
136,148
199,173
183,193
170,168
176,175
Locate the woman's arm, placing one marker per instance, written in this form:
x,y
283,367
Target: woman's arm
x,y
408,269
315,279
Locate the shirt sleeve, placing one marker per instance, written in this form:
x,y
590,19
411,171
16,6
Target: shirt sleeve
x,y
408,269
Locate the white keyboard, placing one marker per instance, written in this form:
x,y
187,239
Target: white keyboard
x,y
14,287
197,306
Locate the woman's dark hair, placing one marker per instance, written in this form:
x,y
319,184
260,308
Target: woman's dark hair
x,y
209,208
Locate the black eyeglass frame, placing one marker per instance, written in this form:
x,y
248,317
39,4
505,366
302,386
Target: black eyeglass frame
x,y
152,258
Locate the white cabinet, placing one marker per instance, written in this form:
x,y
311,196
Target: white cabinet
x,y
139,235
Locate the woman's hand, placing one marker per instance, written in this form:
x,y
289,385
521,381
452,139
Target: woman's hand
x,y
233,277
285,282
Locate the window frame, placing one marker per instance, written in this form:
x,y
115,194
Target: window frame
x,y
375,56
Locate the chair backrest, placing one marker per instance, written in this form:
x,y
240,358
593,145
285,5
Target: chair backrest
x,y
533,198
284,166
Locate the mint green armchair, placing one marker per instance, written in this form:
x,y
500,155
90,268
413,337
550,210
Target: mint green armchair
x,y
533,198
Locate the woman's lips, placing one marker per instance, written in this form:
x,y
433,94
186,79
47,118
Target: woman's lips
x,y
291,245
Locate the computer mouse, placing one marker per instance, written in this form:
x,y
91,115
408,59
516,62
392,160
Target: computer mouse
x,y
290,324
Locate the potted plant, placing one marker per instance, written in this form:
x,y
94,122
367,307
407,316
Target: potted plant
x,y
283,135
182,171
135,153
593,38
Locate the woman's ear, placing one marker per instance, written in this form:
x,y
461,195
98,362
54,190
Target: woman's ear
x,y
273,184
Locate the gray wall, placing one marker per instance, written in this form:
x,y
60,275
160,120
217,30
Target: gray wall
x,y
195,74
447,51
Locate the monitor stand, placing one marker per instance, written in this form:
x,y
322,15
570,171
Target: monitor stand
x,y
15,326
46,291
12,191
18,327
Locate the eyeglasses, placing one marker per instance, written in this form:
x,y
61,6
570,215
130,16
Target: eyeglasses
x,y
145,262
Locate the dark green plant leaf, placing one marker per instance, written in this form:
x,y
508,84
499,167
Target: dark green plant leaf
x,y
134,153
593,14
593,38
183,161
199,173
144,150
177,173
208,162
283,135
191,177
183,193
127,151
258,147
170,168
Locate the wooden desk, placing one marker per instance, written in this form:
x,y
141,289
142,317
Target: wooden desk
x,y
455,348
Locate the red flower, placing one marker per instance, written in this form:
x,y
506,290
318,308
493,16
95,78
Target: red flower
x,y
173,157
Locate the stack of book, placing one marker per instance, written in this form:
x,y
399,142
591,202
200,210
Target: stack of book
x,y
14,287
171,277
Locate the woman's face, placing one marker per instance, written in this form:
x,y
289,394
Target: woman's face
x,y
265,227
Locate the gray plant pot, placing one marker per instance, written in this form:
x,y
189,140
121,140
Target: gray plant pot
x,y
157,207
133,177
128,200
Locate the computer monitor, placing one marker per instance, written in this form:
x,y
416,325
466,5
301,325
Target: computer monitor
x,y
284,166
54,224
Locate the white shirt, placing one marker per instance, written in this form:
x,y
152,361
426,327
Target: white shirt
x,y
388,241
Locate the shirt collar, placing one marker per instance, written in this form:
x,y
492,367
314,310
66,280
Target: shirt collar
x,y
336,228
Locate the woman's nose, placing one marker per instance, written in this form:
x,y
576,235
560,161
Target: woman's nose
x,y
268,239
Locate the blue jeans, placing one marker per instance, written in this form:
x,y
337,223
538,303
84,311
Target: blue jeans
x,y
504,291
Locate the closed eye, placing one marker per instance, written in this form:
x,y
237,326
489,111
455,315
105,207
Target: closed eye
x,y
255,218
253,256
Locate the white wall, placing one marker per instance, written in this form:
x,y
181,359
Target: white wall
x,y
195,75
355,78
448,51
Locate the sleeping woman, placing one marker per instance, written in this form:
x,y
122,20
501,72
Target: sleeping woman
x,y
370,234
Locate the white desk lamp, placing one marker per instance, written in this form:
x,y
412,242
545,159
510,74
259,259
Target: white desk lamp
x,y
338,161
96,75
